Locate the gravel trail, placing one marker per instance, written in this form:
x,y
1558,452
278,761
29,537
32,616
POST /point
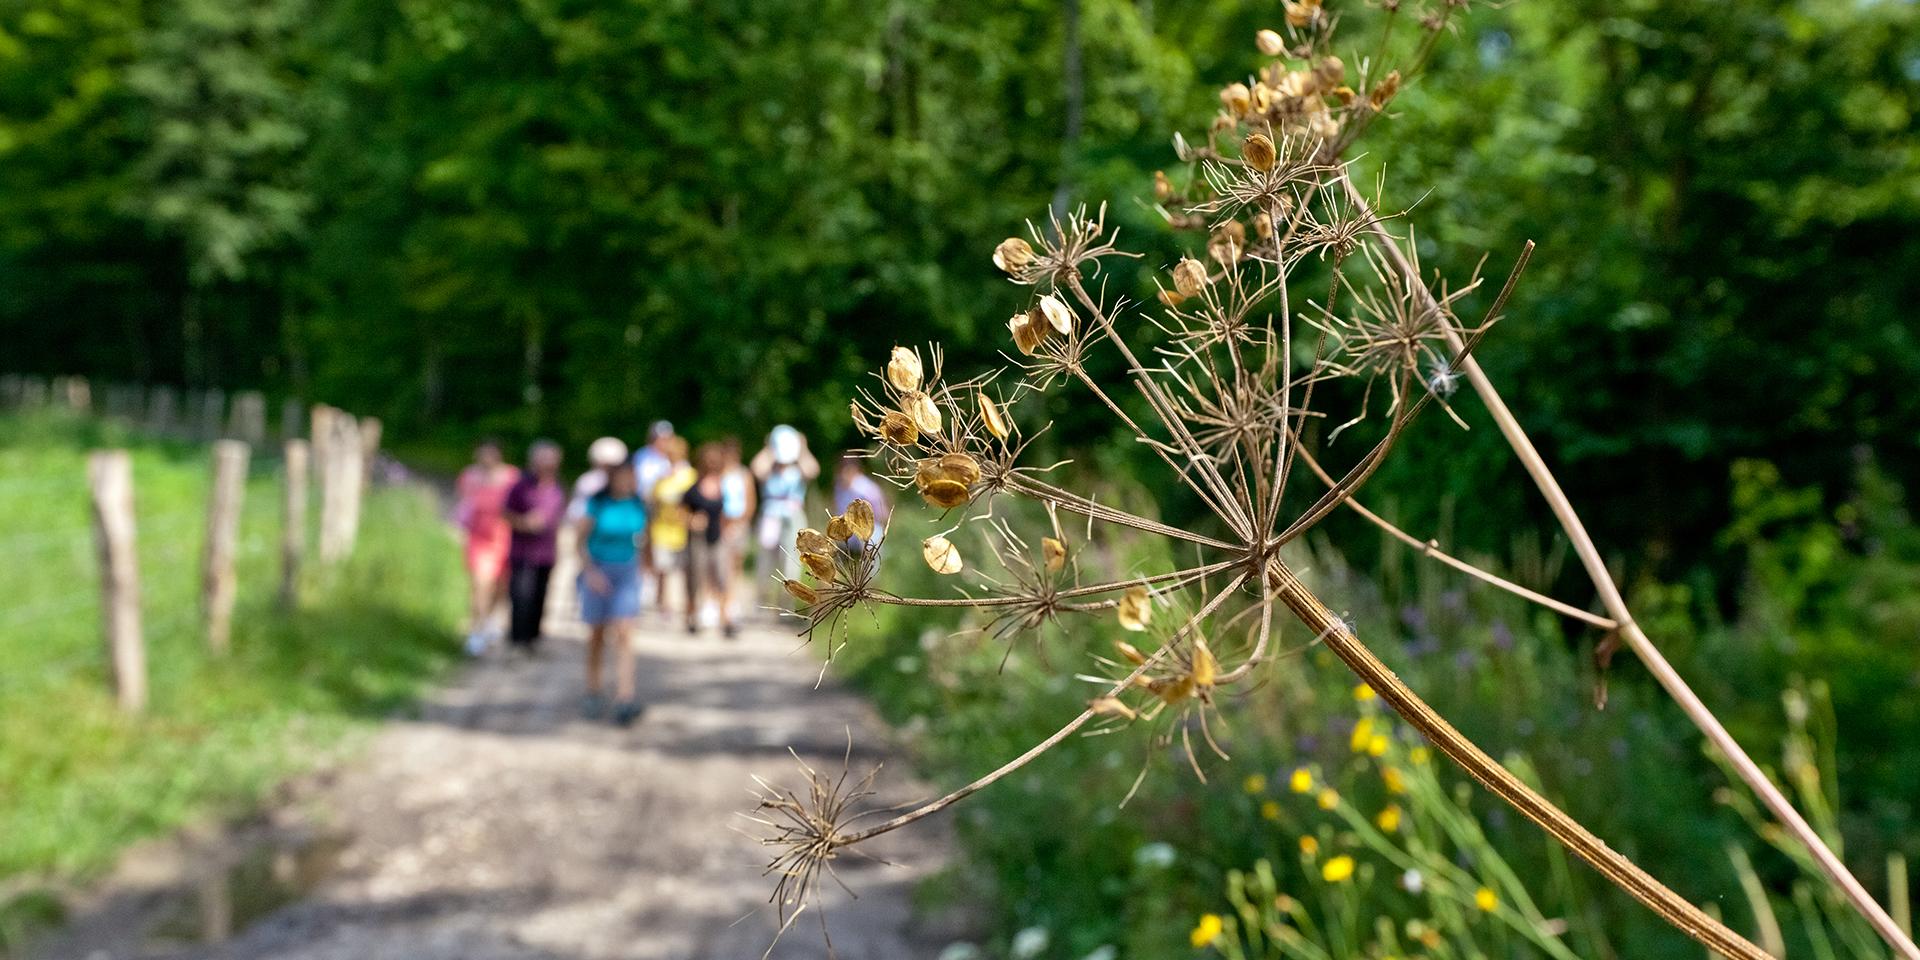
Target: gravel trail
x,y
499,824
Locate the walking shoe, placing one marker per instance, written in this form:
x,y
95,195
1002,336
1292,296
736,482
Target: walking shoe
x,y
730,631
626,713
476,643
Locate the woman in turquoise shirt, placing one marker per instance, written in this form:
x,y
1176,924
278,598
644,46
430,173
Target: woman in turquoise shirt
x,y
613,539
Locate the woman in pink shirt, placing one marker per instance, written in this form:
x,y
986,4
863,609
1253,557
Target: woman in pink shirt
x,y
482,489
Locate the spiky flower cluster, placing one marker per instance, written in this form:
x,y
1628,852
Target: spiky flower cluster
x,y
1216,387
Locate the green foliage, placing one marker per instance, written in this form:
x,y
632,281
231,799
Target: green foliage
x,y
81,780
1138,878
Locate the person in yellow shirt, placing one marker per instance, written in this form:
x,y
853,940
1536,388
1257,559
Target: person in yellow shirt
x,y
669,526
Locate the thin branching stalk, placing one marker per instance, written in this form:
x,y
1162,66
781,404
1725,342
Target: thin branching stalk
x,y
1635,638
1483,768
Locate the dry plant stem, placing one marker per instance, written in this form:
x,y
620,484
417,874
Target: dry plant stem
x,y
1431,549
928,809
1163,407
1205,497
1616,868
1642,646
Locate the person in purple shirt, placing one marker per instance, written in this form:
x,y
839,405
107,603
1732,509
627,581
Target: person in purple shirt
x,y
535,508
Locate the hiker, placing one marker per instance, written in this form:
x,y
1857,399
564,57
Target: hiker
x,y
535,507
784,468
482,490
707,561
651,464
851,482
602,455
741,497
669,525
612,535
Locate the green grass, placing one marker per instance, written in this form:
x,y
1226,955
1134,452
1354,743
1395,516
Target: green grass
x,y
79,781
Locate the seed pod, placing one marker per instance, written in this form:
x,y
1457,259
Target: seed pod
x,y
1171,690
1261,100
1129,651
859,518
1162,187
1172,298
1302,13
801,592
1384,90
820,565
1136,609
945,494
1343,95
941,555
838,530
1330,72
1263,225
1205,667
1056,313
1259,153
903,370
926,472
810,540
1110,707
925,413
996,421
1055,552
1235,97
1189,277
898,429
960,468
1270,43
1029,331
1013,255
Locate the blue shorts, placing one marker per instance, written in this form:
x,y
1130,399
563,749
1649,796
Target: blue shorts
x,y
622,599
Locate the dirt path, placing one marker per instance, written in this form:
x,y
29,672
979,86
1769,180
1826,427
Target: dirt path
x,y
500,825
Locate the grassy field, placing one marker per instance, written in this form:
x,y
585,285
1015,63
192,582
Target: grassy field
x,y
78,781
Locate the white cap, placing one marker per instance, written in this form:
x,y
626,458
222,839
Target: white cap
x,y
786,443
607,452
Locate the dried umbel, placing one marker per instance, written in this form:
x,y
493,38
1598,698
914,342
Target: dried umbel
x,y
1231,413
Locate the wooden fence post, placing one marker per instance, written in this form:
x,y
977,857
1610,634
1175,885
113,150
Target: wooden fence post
x,y
247,421
110,473
293,531
212,414
162,410
369,440
223,540
293,413
341,479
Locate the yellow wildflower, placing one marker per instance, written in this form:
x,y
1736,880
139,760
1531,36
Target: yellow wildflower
x,y
1418,755
1389,819
1485,899
1362,693
1391,776
1207,930
1270,810
1301,781
1377,745
1362,732
1328,799
1255,783
1337,869
1310,845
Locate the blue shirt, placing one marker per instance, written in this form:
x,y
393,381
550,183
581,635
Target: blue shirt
x,y
616,525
